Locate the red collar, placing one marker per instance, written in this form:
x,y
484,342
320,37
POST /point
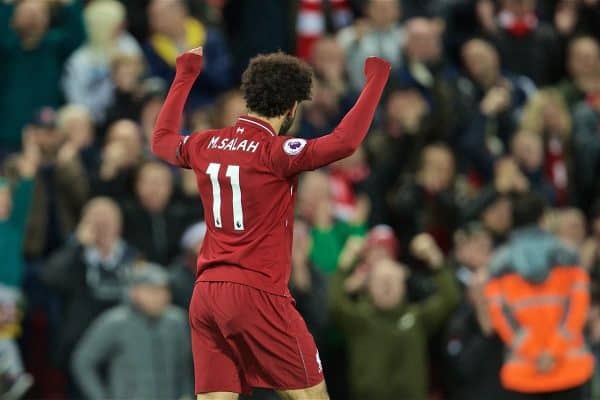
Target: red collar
x,y
256,123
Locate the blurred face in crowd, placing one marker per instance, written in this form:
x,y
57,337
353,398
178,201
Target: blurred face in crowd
x,y
584,57
328,58
31,18
230,106
571,227
154,187
528,150
423,41
152,300
474,250
5,202
386,285
383,13
104,218
127,71
127,133
167,17
481,61
76,125
314,194
437,169
497,217
519,7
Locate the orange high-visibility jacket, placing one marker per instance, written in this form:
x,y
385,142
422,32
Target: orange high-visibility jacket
x,y
538,299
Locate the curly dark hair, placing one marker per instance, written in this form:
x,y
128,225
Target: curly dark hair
x,y
273,82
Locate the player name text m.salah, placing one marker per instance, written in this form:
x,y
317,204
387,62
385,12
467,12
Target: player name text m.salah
x,y
216,142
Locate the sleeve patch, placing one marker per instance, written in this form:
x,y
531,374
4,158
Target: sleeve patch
x,y
293,147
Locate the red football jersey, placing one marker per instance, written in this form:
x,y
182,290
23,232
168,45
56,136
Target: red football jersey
x,y
247,177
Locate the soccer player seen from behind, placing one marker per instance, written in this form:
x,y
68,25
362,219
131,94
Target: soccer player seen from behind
x,y
246,332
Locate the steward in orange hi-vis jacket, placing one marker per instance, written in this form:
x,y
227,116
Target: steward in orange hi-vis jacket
x,y
538,299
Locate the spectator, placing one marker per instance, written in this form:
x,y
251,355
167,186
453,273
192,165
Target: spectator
x,y
493,101
527,45
583,67
87,79
228,107
473,353
315,206
332,96
88,272
547,115
15,204
537,286
121,156
174,31
571,229
183,272
14,381
144,345
308,285
153,223
33,53
387,338
428,202
75,123
129,89
528,153
61,186
425,69
379,34
586,144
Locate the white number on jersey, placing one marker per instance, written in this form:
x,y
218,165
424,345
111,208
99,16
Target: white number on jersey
x,y
233,173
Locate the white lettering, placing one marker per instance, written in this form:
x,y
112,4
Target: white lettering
x,y
213,142
252,147
223,143
230,145
242,145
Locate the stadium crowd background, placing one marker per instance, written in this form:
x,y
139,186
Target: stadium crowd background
x,y
487,100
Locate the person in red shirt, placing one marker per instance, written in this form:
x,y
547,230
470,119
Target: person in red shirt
x,y
246,332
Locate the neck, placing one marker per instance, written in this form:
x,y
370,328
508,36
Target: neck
x,y
275,122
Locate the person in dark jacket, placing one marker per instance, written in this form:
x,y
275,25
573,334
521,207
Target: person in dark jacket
x,y
386,336
472,352
144,345
88,272
153,224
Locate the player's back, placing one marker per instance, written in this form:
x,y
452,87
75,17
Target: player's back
x,y
248,207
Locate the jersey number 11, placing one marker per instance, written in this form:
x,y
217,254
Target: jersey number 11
x,y
233,173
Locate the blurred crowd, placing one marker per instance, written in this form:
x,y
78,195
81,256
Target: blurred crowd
x,y
455,256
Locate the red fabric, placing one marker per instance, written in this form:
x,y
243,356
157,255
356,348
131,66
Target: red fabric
x,y
244,338
255,249
556,170
310,26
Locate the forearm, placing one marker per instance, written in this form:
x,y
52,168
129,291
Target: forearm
x,y
165,137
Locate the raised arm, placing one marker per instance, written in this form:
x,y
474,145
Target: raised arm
x,y
166,139
288,157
